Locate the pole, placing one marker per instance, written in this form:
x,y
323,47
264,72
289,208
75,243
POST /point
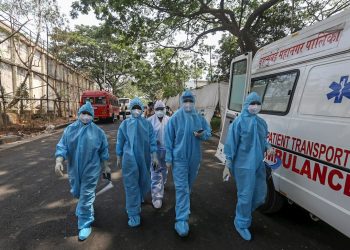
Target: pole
x,y
195,69
1,96
292,17
211,72
104,74
47,69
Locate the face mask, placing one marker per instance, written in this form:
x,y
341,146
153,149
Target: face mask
x,y
188,106
254,109
136,112
84,118
160,113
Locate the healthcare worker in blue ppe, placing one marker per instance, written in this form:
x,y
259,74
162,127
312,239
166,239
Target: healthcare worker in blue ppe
x,y
159,175
85,147
136,148
246,143
184,133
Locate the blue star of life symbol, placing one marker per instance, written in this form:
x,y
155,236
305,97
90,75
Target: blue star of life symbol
x,y
340,89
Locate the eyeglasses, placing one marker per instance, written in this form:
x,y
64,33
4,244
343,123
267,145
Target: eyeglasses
x,y
136,107
255,103
86,113
160,108
188,100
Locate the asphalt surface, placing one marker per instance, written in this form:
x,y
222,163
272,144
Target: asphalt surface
x,y
37,210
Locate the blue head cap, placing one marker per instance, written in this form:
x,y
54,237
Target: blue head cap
x,y
187,94
88,108
136,101
252,97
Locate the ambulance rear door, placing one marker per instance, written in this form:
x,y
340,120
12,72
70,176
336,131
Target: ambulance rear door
x,y
240,72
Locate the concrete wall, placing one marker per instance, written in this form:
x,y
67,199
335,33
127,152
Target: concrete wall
x,y
65,84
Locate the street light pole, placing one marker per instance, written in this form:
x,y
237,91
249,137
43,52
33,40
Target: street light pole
x,y
211,73
195,69
104,73
47,69
291,19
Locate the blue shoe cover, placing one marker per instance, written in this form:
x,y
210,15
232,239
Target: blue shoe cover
x,y
134,221
84,233
182,228
244,233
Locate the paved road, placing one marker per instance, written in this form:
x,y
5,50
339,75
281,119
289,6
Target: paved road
x,y
37,211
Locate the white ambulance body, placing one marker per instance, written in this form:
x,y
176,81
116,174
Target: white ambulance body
x,y
304,81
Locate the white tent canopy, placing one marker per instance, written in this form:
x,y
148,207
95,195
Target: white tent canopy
x,y
207,98
173,102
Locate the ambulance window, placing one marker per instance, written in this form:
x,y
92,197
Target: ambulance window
x,y
259,87
276,91
238,80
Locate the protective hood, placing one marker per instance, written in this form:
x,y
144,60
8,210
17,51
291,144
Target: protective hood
x,y
88,108
136,101
187,95
159,104
252,97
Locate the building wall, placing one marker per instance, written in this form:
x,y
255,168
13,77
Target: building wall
x,y
65,84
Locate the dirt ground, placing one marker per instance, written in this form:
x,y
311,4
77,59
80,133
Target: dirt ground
x,y
31,127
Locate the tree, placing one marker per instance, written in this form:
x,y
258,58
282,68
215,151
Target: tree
x,y
107,59
40,15
163,20
165,75
113,61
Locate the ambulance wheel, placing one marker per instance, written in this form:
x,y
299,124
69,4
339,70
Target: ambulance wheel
x,y
274,200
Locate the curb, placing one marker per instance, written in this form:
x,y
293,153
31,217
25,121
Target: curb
x,y
9,139
63,125
12,141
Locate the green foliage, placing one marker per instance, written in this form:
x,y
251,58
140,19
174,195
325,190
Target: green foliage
x,y
165,75
42,14
113,62
215,124
252,22
108,59
228,50
249,25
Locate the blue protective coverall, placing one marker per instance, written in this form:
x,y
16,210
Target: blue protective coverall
x,y
159,176
135,143
246,143
183,151
85,147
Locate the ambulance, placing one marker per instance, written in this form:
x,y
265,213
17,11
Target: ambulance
x,y
304,82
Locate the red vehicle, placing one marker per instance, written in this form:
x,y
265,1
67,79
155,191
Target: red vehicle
x,y
105,104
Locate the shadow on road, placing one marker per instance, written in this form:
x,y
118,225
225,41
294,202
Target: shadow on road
x,y
37,210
